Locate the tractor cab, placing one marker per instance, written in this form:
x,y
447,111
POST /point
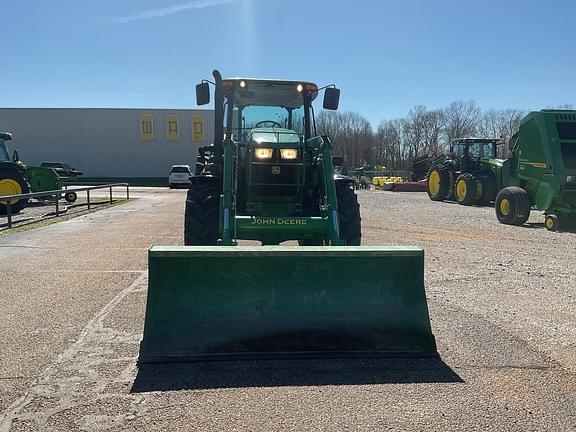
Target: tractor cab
x,y
244,104
470,152
270,124
265,104
4,155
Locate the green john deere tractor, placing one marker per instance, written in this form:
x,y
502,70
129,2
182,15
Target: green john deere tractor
x,y
269,177
16,179
469,175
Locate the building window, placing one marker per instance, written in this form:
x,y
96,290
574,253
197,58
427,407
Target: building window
x,y
146,127
197,128
172,132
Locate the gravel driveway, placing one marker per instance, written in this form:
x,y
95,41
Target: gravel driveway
x,y
502,301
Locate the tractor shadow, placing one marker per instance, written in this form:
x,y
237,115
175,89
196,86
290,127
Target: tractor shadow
x,y
294,373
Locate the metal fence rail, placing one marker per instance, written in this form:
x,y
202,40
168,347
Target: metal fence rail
x,y
6,199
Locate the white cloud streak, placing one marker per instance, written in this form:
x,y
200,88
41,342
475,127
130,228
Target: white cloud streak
x,y
170,10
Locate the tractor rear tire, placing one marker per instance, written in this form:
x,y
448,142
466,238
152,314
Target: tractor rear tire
x,y
438,184
467,189
201,219
349,215
12,182
512,206
488,189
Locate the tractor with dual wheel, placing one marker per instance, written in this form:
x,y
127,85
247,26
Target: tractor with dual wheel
x,y
469,175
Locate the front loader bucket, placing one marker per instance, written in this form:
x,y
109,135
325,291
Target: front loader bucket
x,y
220,302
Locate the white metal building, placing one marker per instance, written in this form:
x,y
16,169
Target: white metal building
x,y
112,143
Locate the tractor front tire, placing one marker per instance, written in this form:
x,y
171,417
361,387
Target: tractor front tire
x,y
12,182
467,189
201,219
438,184
512,206
349,215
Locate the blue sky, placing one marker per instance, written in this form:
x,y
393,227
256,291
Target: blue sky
x,y
386,56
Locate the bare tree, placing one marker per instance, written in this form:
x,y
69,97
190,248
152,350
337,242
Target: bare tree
x,y
500,124
461,119
422,133
388,143
435,124
351,135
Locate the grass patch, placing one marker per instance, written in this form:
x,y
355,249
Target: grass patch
x,y
74,211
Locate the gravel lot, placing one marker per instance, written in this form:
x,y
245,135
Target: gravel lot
x,y
502,301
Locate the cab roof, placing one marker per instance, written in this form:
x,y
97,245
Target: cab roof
x,y
269,92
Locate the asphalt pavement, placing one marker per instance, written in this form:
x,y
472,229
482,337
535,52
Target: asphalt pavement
x,y
502,302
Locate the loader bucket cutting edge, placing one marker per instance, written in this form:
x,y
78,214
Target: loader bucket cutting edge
x,y
209,303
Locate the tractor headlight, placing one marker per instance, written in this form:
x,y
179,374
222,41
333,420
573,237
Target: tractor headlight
x,y
289,154
263,153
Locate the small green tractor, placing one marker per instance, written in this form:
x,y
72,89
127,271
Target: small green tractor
x,y
469,175
12,176
269,177
539,173
16,179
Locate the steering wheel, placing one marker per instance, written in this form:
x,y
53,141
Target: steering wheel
x,y
274,123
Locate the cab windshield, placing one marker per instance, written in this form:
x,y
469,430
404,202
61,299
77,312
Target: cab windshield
x,y
267,104
483,151
272,117
4,156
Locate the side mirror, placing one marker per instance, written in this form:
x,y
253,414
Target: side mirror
x,y
202,94
15,157
331,98
337,161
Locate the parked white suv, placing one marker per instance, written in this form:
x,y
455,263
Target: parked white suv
x,y
179,176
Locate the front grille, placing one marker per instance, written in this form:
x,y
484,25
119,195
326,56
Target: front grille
x,y
274,191
275,174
